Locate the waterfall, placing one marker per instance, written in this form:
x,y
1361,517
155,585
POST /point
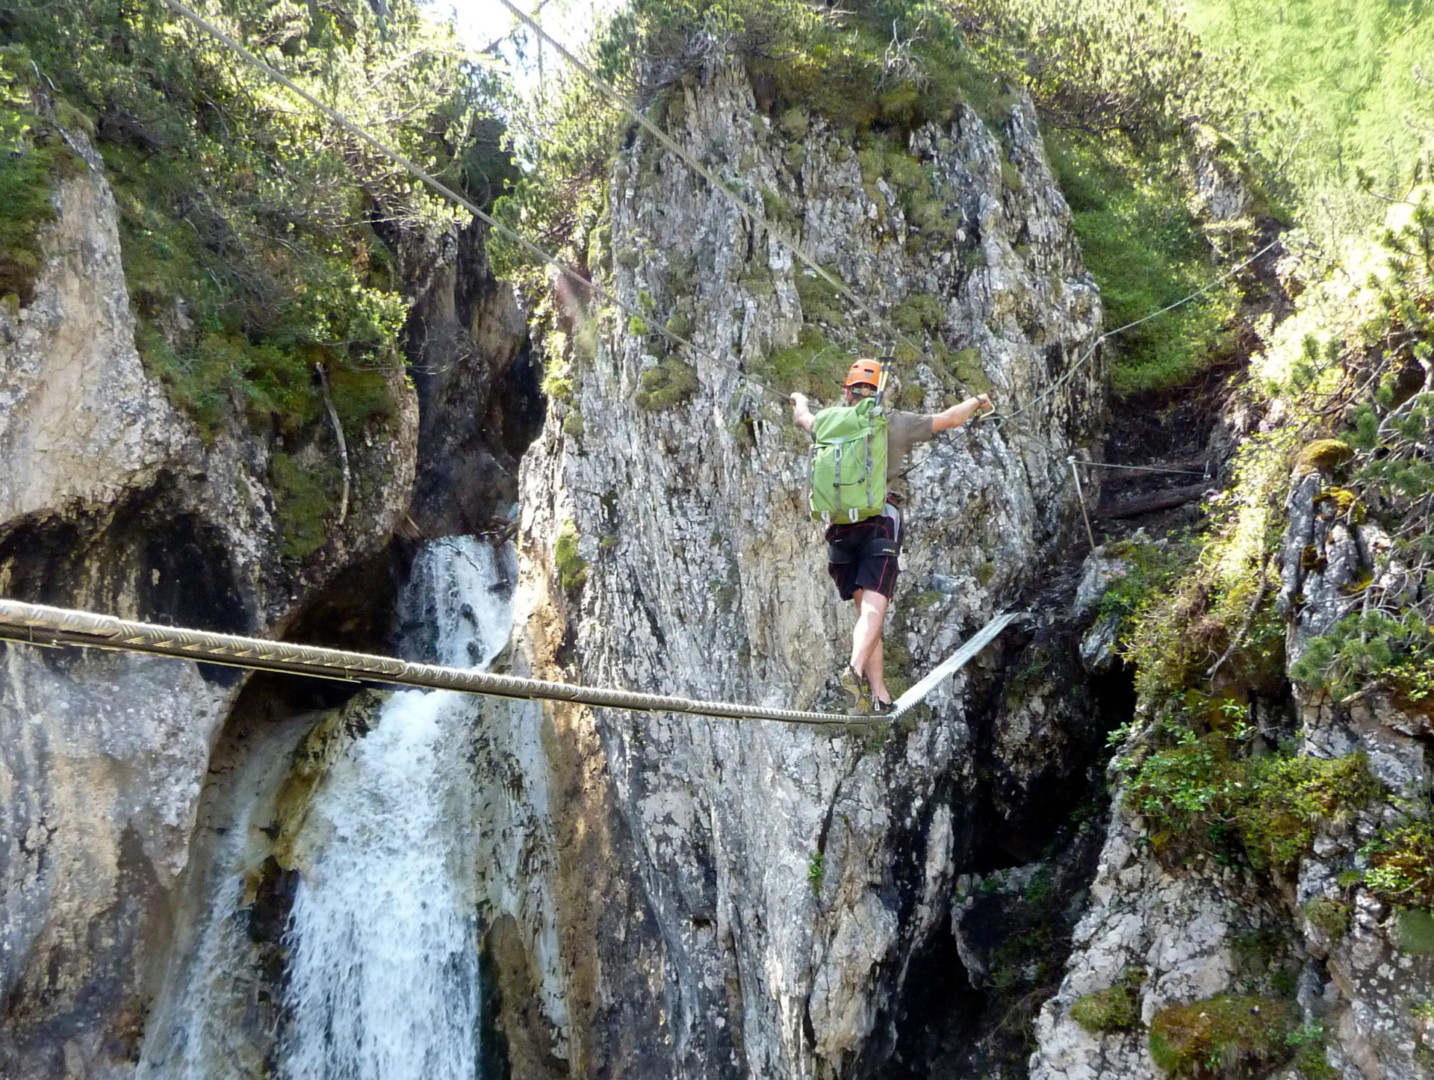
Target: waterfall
x,y
383,960
381,972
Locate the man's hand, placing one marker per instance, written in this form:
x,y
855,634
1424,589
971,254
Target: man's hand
x,y
801,412
957,415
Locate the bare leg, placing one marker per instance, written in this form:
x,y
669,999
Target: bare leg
x,y
876,673
866,655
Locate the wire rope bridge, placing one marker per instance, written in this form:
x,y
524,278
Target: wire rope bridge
x,y
35,624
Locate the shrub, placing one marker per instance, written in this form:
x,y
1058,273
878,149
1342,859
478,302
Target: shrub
x,y
1264,812
1401,865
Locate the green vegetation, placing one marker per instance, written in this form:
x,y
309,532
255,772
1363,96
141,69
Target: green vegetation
x,y
304,497
32,155
1414,932
1331,917
572,567
1388,640
1224,1036
669,384
258,241
1262,812
813,365
1116,1008
1146,251
1340,85
1401,865
817,872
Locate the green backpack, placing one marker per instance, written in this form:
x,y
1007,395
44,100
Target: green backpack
x,y
849,462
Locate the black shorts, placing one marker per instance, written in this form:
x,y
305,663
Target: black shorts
x,y
863,555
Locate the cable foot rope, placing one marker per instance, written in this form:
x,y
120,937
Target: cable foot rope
x,y
36,624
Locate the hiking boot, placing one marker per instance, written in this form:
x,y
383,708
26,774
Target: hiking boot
x,y
855,685
881,708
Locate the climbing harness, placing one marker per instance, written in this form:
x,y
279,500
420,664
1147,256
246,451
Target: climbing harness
x,y
35,624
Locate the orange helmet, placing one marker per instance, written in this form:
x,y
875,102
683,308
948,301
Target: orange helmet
x,y
864,373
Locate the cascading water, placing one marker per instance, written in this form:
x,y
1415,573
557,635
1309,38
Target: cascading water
x,y
381,963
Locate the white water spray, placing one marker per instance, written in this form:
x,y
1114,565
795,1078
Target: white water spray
x,y
383,961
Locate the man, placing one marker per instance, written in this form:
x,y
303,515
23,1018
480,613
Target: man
x,y
862,556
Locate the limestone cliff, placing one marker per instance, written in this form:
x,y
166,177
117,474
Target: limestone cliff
x,y
745,899
112,499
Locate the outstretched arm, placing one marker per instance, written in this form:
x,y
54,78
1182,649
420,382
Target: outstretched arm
x,y
958,414
801,413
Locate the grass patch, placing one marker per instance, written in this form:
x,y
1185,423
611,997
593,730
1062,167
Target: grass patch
x,y
33,157
813,365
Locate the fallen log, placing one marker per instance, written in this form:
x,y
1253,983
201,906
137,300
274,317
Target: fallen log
x,y
1149,504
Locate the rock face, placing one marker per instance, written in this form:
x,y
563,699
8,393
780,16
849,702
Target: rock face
x,y
110,500
762,892
1201,931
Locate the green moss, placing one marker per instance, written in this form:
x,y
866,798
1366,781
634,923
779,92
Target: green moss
x,y
820,301
813,365
969,371
922,313
795,123
573,424
927,599
1323,455
1330,916
669,384
1340,502
1414,932
303,500
1238,1038
1111,1009
572,568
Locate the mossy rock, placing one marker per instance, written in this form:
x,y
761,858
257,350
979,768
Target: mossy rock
x,y
1330,917
795,123
573,424
1414,932
1226,1037
667,385
1111,1009
320,748
1323,455
922,313
572,568
1340,502
969,371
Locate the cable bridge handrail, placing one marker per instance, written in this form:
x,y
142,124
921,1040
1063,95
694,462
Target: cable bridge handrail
x,y
37,624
